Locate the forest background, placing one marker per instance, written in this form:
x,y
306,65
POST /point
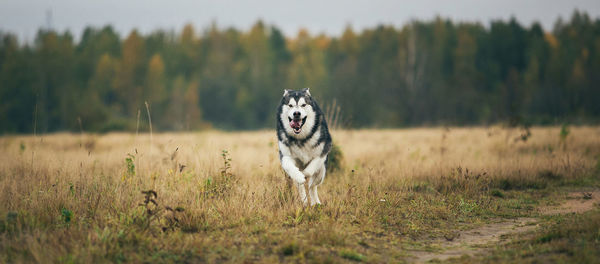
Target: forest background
x,y
435,72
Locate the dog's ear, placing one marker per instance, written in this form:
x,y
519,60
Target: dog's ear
x,y
306,90
286,92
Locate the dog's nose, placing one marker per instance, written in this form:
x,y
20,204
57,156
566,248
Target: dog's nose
x,y
296,114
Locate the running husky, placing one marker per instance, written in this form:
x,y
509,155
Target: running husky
x,y
304,141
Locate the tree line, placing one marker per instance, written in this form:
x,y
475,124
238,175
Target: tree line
x,y
425,73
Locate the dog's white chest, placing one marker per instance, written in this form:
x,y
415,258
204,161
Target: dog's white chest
x,y
305,152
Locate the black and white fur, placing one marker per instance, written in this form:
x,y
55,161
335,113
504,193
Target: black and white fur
x,y
304,141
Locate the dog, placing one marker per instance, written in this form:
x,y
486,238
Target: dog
x,y
304,141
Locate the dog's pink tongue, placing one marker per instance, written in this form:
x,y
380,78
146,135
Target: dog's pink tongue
x,y
295,124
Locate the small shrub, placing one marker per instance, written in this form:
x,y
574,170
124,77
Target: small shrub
x,y
221,185
172,219
168,219
334,159
151,212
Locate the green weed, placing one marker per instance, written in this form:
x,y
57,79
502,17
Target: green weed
x,y
352,255
66,215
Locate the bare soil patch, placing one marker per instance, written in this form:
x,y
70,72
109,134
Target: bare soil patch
x,y
478,240
577,202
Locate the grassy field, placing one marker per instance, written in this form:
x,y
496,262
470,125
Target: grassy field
x,y
222,197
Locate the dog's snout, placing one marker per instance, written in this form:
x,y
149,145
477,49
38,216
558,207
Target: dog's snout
x,y
296,114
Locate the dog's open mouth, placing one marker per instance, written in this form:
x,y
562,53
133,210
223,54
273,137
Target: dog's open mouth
x,y
296,124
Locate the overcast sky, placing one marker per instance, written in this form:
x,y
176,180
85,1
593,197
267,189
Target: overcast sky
x,y
24,17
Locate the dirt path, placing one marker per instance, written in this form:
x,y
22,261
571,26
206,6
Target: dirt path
x,y
478,240
577,202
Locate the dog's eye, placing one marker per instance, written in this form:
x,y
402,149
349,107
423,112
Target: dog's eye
x,y
303,105
290,105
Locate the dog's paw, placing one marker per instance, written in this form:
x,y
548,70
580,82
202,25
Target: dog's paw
x,y
300,179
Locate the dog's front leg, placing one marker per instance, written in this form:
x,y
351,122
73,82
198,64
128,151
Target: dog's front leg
x,y
289,166
314,165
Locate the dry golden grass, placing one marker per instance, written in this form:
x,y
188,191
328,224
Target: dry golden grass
x,y
75,198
